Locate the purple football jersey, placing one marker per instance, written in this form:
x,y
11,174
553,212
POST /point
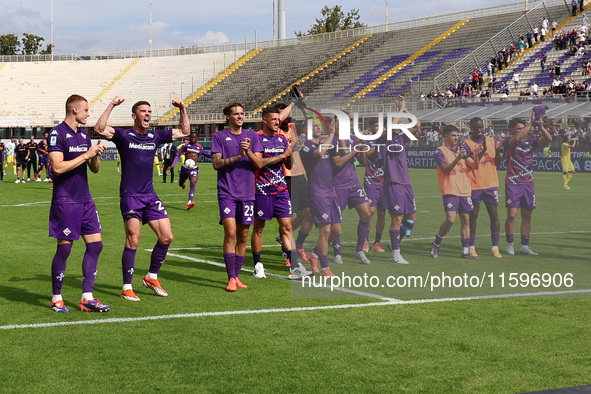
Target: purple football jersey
x,y
520,165
394,156
72,186
137,159
236,180
374,167
345,177
319,170
270,180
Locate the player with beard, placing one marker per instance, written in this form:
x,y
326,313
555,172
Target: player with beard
x,y
519,183
484,182
236,154
139,202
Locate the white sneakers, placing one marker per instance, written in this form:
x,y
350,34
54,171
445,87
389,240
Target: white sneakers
x,y
510,250
259,271
361,256
397,257
299,272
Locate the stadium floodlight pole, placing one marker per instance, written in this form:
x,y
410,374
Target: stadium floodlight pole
x,y
150,39
52,31
386,15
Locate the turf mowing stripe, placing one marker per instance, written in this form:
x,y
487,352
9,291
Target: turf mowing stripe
x,y
281,310
214,263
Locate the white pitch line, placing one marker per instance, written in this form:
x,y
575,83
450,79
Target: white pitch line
x,y
214,263
283,310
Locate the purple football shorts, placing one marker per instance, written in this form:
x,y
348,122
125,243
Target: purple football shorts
x,y
273,206
352,197
144,208
376,196
489,196
520,196
457,204
325,210
70,221
242,211
400,199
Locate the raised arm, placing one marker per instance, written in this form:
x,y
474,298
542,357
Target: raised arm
x,y
178,155
184,127
523,133
101,127
546,136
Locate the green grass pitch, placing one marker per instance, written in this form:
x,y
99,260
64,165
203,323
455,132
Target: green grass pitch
x,y
202,339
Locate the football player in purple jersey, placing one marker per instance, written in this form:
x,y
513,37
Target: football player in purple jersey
x,y
272,198
191,150
73,213
139,203
236,154
519,183
324,205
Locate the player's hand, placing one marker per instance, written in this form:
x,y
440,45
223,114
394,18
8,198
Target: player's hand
x,y
499,144
479,149
463,153
287,152
244,146
117,100
401,103
178,102
96,150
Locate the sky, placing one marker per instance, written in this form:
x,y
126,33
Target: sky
x,y
86,27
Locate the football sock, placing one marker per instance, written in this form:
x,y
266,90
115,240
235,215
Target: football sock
x,y
323,261
191,191
438,239
465,245
509,238
568,177
495,237
89,264
58,267
87,296
378,238
395,239
158,257
564,179
256,256
128,264
336,245
472,239
524,241
230,261
293,257
238,263
362,234
301,239
56,298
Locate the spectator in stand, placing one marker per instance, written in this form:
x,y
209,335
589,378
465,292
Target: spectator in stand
x,y
543,59
534,88
581,5
516,79
536,33
475,78
557,68
543,32
574,4
585,20
554,26
529,37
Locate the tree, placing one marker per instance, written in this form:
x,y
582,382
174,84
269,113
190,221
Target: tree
x,y
47,50
31,43
333,19
9,44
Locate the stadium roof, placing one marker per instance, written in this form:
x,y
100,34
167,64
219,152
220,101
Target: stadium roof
x,y
504,110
